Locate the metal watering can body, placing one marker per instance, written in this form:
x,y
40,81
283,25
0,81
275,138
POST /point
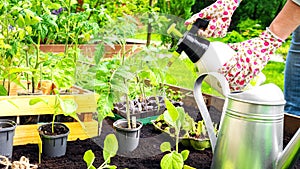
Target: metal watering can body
x,y
250,134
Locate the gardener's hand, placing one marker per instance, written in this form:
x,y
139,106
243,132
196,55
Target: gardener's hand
x,y
219,14
250,58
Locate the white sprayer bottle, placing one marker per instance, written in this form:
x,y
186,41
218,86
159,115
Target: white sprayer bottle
x,y
207,56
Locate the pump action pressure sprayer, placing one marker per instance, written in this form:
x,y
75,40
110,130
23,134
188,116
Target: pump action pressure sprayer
x,y
207,56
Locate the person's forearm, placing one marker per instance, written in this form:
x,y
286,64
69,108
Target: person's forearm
x,y
287,20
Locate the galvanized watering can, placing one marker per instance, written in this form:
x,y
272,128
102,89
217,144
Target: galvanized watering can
x,y
250,134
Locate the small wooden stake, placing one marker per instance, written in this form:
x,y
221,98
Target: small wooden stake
x,y
133,121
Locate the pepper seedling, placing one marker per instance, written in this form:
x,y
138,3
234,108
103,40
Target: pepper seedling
x,y
175,116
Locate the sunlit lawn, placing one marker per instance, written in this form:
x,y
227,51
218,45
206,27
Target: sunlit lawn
x,y
185,74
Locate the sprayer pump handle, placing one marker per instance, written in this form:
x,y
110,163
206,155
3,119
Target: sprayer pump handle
x,y
199,24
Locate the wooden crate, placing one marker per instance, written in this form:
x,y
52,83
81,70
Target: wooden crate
x,y
28,134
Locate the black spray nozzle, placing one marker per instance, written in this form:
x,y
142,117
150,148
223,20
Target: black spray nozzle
x,y
199,24
193,45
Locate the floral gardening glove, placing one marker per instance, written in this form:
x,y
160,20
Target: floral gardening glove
x,y
219,14
250,58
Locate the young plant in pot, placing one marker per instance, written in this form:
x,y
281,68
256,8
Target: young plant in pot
x,y
54,135
147,89
193,134
7,132
127,130
142,100
112,84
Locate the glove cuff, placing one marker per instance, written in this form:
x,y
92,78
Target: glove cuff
x,y
274,36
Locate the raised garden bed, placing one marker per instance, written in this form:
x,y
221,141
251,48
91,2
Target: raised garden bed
x,y
147,155
28,134
88,50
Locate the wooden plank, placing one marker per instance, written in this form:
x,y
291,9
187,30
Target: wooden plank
x,y
86,103
28,134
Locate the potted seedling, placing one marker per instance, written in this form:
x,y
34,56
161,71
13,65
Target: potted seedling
x,y
112,82
127,130
193,134
146,88
123,79
196,136
7,131
54,135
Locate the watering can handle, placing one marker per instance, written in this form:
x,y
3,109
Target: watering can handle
x,y
202,106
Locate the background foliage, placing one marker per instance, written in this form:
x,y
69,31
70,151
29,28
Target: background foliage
x,y
257,10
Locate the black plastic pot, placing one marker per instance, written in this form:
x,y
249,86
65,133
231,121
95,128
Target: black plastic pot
x,y
54,145
128,139
7,132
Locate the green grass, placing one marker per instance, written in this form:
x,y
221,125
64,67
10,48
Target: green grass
x,y
274,73
185,74
143,36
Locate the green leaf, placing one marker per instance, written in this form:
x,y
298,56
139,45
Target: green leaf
x,y
165,146
37,100
54,5
12,103
181,118
73,2
188,167
18,82
99,54
172,111
21,70
27,19
110,166
3,91
89,158
68,106
110,147
189,123
172,160
20,21
35,20
169,119
185,154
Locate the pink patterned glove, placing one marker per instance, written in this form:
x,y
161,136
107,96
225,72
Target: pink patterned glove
x,y
250,58
219,14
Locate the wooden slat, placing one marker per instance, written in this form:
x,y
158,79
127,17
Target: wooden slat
x,y
86,103
28,134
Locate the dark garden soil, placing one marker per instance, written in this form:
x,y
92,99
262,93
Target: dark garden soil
x,y
146,156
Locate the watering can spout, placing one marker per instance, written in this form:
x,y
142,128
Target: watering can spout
x,y
290,154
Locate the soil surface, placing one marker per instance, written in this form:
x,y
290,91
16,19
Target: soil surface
x,y
146,156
